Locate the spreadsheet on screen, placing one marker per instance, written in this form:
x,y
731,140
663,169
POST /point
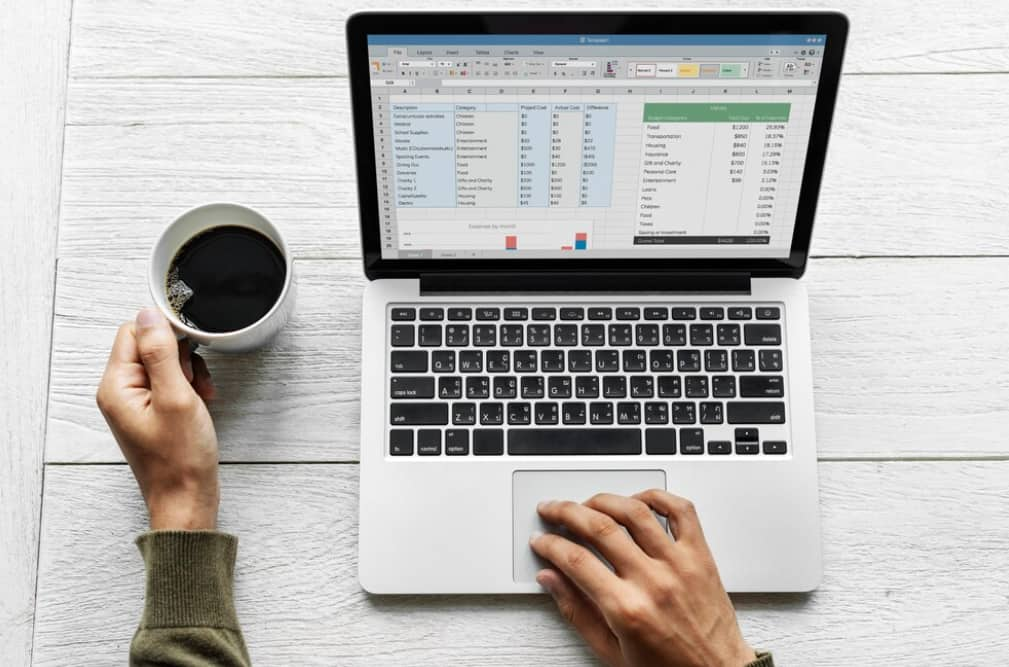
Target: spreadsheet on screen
x,y
602,146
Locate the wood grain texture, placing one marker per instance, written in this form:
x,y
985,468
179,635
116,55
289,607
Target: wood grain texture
x,y
33,61
917,165
264,37
915,573
903,355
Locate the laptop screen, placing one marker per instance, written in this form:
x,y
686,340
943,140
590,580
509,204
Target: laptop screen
x,y
591,146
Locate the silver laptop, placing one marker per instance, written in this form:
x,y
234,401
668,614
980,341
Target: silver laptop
x,y
584,235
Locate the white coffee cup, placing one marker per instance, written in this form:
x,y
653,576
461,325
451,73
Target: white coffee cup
x,y
196,221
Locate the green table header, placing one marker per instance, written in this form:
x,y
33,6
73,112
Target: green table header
x,y
744,112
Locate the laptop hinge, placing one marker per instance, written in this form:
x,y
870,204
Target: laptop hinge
x,y
571,281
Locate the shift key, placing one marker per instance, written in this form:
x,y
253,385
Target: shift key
x,y
421,414
755,412
409,361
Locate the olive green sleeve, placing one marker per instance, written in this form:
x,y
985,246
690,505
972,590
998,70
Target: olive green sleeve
x,y
763,660
189,610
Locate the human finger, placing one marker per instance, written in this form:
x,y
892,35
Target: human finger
x,y
637,517
596,528
582,614
202,381
186,359
579,565
159,352
679,512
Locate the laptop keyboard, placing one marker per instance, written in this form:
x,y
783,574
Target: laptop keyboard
x,y
552,380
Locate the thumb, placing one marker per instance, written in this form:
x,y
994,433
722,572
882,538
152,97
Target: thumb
x,y
159,352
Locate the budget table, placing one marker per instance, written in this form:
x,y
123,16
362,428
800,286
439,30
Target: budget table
x,y
119,114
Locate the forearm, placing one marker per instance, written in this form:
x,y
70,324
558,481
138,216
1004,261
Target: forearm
x,y
189,613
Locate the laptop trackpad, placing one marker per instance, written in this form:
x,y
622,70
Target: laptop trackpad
x,y
530,487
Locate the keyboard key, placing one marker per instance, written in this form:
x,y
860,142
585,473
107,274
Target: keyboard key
x,y
607,361
559,386
723,386
544,314
478,387
492,414
593,335
601,413
471,361
573,413
573,441
443,361
545,412
688,361
533,387
572,313
600,313
768,313
697,386
762,334
429,442
628,413
488,442
712,313
719,447
565,335
587,386
520,414
660,440
642,386
450,387
646,334
430,335
488,314
691,441
498,361
761,386
464,414
743,361
656,313
506,386
516,313
432,314
684,313
656,413
728,334
635,361
756,412
422,414
614,386
457,442
538,335
716,361
401,335
747,448
409,362
701,334
552,361
669,386
457,335
660,361
775,447
524,361
740,313
770,360
620,334
403,314
711,413
411,387
484,335
747,435
512,335
579,361
460,314
684,413
401,442
628,313
674,335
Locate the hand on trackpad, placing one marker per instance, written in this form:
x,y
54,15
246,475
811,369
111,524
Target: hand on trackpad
x,y
530,487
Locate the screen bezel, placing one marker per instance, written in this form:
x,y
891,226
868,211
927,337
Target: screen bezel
x,y
833,24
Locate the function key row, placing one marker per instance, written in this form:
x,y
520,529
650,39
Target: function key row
x,y
548,313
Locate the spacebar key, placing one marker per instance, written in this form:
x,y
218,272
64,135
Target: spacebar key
x,y
565,441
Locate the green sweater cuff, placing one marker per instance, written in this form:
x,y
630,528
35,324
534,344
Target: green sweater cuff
x,y
763,660
189,579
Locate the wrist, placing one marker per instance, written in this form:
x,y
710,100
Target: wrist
x,y
743,655
184,509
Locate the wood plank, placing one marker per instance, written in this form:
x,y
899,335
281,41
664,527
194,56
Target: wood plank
x,y
945,575
264,37
33,52
902,362
901,178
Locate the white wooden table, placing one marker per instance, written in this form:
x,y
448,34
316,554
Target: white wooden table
x,y
121,113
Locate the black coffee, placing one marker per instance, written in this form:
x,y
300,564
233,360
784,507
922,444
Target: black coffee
x,y
225,279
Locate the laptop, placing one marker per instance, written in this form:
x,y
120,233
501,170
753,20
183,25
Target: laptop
x,y
584,235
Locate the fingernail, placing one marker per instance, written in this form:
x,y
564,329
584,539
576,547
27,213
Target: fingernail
x,y
546,583
540,506
535,536
149,317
